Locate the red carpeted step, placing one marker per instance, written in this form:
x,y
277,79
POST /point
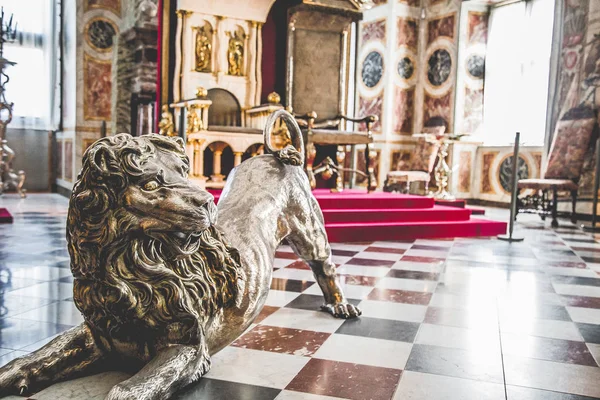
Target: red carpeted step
x,y
5,217
360,199
476,210
372,201
361,232
452,203
437,213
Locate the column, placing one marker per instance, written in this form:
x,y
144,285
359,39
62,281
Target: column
x,y
217,149
221,38
290,64
237,158
216,176
258,62
198,159
252,63
178,54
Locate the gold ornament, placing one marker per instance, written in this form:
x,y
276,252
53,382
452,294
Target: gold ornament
x,y
274,98
235,53
166,125
201,92
203,49
194,123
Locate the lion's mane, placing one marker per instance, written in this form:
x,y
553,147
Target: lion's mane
x,y
129,285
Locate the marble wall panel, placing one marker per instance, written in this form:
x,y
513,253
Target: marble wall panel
x,y
68,157
404,110
464,171
411,3
112,5
486,175
398,156
408,32
471,70
473,117
477,27
97,93
371,106
374,30
441,27
434,106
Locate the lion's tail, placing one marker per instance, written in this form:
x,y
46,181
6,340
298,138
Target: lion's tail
x,y
291,154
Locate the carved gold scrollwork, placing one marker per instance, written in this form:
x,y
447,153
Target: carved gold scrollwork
x,y
235,53
166,125
203,48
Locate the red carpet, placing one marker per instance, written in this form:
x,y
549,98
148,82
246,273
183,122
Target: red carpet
x,y
5,217
355,216
461,204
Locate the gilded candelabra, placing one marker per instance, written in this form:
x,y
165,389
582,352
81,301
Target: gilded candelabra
x,y
442,170
9,179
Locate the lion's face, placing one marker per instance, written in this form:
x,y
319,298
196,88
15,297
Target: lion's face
x,y
163,199
143,181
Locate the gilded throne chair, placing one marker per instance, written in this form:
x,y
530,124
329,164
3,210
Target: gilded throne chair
x,y
564,167
417,168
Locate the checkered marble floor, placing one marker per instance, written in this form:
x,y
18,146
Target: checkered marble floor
x,y
442,319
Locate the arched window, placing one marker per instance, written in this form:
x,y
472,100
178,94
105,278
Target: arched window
x,y
225,109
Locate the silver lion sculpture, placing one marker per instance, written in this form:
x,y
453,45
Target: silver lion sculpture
x,y
163,277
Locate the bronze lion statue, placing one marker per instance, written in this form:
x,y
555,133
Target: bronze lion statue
x,y
162,276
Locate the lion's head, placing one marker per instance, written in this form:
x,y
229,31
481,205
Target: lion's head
x,y
144,253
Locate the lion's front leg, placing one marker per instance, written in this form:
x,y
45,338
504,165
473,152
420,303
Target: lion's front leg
x,y
71,354
173,368
309,241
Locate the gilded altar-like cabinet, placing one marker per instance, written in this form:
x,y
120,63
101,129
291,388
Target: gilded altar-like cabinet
x,y
241,55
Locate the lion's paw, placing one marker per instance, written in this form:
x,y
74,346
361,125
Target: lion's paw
x,y
121,392
15,379
342,310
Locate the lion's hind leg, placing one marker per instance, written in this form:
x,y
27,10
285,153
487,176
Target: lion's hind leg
x,y
309,241
71,354
170,370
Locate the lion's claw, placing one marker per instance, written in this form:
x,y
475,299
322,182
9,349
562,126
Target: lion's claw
x,y
342,310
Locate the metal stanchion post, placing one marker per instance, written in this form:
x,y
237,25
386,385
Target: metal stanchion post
x,y
514,192
592,227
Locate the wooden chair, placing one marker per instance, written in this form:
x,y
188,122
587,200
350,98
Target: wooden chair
x,y
328,133
417,169
565,163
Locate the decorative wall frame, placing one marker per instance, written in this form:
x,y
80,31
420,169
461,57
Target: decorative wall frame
x,y
504,172
100,33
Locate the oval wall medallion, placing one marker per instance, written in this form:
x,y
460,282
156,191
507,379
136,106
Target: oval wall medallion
x,y
505,171
406,68
372,69
476,66
439,67
100,34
